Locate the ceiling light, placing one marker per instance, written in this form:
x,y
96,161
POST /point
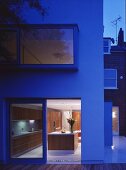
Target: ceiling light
x,y
31,121
113,114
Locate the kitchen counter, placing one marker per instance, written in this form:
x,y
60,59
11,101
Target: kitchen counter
x,y
26,133
25,142
60,133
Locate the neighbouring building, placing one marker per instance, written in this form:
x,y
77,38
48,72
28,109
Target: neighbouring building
x,y
115,82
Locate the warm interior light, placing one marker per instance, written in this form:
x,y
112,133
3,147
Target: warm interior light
x,y
31,121
113,147
113,114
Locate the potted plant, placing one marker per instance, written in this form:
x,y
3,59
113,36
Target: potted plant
x,y
71,121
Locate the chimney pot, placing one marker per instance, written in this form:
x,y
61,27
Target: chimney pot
x,y
121,37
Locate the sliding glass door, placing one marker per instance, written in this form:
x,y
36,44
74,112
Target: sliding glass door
x,y
27,137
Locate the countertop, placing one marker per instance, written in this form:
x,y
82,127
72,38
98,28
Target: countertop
x,y
26,133
60,133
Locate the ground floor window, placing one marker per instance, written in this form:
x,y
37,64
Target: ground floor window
x,y
49,130
26,130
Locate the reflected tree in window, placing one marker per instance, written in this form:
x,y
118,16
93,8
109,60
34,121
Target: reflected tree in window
x,y
8,50
47,46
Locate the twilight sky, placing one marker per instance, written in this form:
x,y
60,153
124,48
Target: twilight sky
x,y
112,10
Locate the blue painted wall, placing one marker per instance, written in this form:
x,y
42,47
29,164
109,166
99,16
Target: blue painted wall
x,y
108,123
86,83
1,132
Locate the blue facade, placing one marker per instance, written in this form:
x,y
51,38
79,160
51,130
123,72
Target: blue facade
x,y
108,123
86,83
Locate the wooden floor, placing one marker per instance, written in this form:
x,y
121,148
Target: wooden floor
x,y
64,167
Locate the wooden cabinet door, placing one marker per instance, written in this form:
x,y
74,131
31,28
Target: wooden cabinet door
x,y
20,113
77,116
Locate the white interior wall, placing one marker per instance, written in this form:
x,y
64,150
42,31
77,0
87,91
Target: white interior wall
x,y
65,115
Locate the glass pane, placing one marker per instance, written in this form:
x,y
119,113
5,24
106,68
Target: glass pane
x,y
110,83
26,131
63,131
8,47
47,46
106,50
106,43
110,73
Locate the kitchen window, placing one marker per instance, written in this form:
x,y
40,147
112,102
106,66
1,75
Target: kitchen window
x,y
26,130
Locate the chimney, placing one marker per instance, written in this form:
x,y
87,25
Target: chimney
x,y
121,37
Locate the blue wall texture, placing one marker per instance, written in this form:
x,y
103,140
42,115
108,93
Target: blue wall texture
x,y
86,83
108,123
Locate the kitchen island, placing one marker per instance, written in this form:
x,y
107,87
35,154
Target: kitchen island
x,y
62,141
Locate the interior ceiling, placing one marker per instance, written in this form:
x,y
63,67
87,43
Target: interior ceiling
x,y
64,104
60,104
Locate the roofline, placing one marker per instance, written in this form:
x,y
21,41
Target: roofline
x,y
107,38
2,26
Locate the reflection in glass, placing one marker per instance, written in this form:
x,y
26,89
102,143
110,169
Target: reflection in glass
x,y
26,131
110,78
47,46
8,47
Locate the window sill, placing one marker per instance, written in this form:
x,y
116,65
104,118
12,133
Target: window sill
x,y
107,53
111,88
35,67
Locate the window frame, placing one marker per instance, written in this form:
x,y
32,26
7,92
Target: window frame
x,y
8,102
13,29
18,65
107,46
111,79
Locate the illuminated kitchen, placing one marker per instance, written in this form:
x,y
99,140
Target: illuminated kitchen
x,y
63,130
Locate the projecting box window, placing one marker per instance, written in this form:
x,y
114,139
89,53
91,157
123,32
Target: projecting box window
x,y
8,47
47,46
39,45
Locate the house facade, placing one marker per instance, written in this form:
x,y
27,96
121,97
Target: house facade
x,y
75,72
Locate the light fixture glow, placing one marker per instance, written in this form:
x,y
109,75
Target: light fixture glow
x,y
31,121
113,114
113,147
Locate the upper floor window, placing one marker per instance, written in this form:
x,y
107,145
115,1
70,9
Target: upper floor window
x,y
107,45
47,46
8,46
110,79
39,45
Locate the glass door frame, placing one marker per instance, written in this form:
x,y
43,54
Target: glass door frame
x,y
42,160
64,98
